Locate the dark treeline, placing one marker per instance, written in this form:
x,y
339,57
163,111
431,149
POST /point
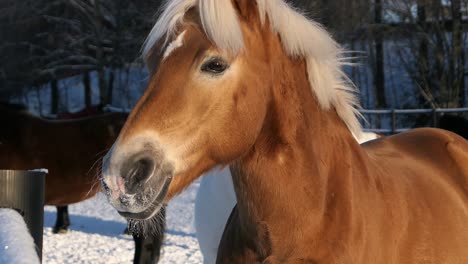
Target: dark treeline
x,y
43,41
429,37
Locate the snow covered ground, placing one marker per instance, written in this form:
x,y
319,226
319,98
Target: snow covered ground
x,y
95,234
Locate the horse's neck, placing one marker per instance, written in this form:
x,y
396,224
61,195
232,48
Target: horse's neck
x,y
287,182
298,174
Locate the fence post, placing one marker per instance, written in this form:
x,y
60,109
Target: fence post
x,y
23,191
393,121
434,117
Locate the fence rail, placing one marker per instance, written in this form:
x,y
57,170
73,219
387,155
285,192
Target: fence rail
x,y
393,113
435,112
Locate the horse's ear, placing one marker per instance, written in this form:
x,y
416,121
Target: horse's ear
x,y
246,8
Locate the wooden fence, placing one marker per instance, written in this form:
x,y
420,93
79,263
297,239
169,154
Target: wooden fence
x,y
393,113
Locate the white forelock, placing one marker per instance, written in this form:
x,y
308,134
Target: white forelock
x,y
300,36
177,43
171,17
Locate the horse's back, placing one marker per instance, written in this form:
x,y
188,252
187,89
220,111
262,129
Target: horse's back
x,y
435,149
421,191
66,182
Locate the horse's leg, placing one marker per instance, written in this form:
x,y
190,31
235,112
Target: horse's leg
x,y
63,221
148,246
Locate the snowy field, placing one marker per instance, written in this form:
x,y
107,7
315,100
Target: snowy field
x,y
95,234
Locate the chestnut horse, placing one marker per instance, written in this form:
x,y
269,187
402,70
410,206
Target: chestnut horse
x,y
256,86
70,150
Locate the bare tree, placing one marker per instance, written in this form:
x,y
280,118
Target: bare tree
x,y
43,41
430,34
436,38
379,72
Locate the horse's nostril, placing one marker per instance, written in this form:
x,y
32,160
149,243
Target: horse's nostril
x,y
136,172
143,169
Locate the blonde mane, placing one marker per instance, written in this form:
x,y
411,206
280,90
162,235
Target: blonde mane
x,y
308,40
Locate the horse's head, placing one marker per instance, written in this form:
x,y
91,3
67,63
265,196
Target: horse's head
x,y
210,94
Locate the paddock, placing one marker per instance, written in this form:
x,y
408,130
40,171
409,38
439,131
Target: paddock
x,y
306,190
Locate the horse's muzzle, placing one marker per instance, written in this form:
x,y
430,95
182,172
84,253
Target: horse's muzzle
x,y
153,208
137,184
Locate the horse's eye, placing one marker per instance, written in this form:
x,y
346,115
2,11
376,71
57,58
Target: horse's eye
x,y
215,66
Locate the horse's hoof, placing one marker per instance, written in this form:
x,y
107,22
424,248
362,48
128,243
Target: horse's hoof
x,y
60,230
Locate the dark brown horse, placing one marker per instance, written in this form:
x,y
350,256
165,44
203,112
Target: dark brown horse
x,y
455,123
255,85
70,150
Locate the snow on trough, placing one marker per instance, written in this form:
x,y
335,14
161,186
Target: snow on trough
x,y
16,244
